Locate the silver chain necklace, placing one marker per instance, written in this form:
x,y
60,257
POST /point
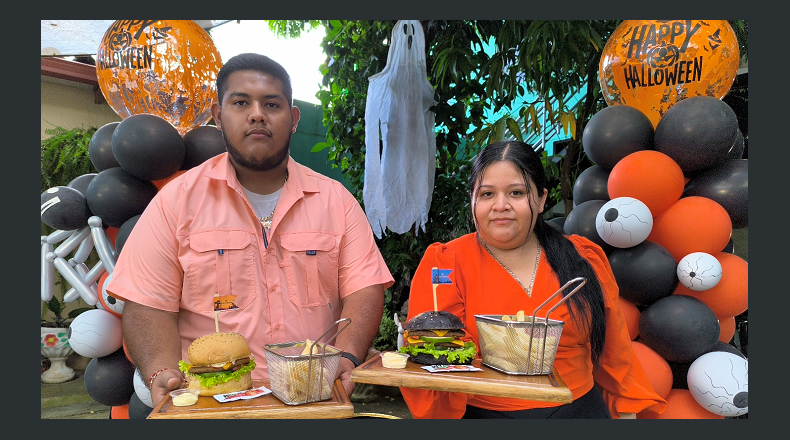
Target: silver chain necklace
x,y
267,221
528,290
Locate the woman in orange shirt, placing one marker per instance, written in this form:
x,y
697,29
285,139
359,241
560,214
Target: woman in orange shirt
x,y
515,261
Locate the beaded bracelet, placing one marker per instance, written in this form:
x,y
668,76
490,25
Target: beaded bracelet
x,y
153,376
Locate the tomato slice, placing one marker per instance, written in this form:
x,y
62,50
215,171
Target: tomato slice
x,y
435,339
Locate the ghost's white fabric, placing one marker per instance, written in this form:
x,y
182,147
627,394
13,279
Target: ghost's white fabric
x,y
400,142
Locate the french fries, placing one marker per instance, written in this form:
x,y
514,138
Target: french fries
x,y
508,348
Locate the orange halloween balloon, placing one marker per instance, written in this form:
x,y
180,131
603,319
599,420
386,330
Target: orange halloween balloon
x,y
657,368
727,329
692,224
166,68
654,64
631,315
680,405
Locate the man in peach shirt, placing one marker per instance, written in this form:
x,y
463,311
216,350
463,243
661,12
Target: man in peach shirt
x,y
250,242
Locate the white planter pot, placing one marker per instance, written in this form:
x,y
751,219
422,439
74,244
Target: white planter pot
x,y
55,346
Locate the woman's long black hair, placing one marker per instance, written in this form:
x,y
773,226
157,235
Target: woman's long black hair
x,y
586,306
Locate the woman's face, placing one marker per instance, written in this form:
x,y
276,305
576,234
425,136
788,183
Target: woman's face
x,y
505,212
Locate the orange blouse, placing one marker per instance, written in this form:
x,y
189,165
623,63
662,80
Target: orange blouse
x,y
482,286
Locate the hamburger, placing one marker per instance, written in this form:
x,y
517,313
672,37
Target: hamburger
x,y
434,338
218,363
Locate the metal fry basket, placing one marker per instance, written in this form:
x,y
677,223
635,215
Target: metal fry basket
x,y
297,379
523,347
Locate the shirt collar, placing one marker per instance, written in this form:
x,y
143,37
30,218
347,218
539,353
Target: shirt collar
x,y
299,181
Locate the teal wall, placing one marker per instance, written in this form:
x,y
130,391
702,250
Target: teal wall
x,y
310,131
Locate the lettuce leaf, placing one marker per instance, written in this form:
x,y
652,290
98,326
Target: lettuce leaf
x,y
459,355
210,379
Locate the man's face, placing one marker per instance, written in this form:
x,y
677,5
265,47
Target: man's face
x,y
256,120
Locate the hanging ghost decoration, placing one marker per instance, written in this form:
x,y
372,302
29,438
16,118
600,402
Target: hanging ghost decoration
x,y
400,141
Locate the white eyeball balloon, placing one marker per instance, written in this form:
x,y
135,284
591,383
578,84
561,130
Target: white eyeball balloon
x,y
141,389
95,333
624,222
699,271
719,382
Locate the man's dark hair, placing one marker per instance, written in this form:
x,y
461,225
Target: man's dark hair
x,y
258,63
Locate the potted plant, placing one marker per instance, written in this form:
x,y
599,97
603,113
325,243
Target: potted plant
x,y
55,339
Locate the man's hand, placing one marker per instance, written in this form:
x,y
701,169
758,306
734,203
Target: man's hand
x,y
628,415
165,382
344,374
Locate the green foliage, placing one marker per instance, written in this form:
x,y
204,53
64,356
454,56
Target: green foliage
x,y
64,156
57,308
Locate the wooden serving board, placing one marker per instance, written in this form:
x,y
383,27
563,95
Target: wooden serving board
x,y
264,407
489,382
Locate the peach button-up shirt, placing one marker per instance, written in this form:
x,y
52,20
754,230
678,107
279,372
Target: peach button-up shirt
x,y
199,246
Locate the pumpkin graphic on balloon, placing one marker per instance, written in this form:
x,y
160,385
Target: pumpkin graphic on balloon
x,y
653,64
166,68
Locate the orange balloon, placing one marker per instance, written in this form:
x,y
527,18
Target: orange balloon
x,y
649,176
159,184
680,405
631,315
730,296
119,412
166,68
654,64
111,232
692,224
727,329
657,368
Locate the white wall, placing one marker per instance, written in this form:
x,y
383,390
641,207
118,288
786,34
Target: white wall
x,y
71,104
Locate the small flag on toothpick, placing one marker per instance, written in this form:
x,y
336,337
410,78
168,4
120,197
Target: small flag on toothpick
x,y
223,303
439,276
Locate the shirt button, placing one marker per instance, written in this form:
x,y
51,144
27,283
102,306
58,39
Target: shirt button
x,y
273,288
277,326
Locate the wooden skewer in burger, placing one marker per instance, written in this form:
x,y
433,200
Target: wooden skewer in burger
x,y
220,362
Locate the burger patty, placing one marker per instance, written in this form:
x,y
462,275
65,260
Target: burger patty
x,y
209,369
452,333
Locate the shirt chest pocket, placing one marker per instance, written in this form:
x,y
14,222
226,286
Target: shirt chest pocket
x,y
310,265
220,274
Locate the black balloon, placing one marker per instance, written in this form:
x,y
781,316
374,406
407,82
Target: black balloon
x,y
697,132
138,409
592,184
123,233
730,248
679,328
116,196
557,223
581,221
148,147
736,152
645,273
100,147
109,380
64,208
680,371
81,183
729,348
615,132
202,143
726,184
